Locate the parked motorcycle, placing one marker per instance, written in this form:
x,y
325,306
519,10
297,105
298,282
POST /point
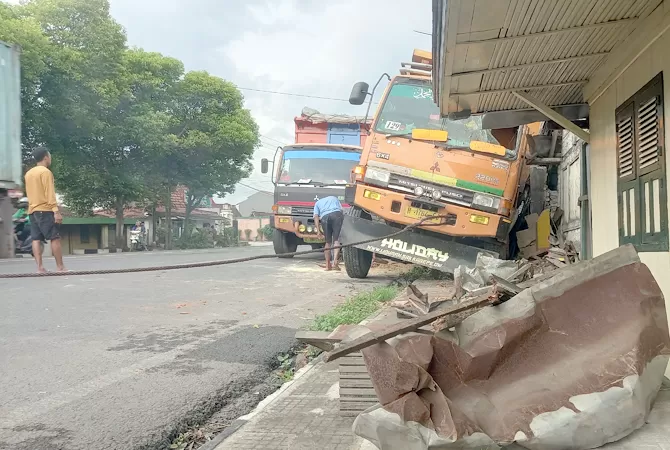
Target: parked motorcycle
x,y
137,240
25,245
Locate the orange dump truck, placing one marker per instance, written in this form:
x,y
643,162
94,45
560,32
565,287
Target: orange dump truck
x,y
417,164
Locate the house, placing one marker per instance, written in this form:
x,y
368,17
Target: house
x,y
226,210
257,205
599,65
204,214
96,233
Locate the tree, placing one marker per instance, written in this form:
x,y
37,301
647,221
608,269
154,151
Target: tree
x,y
212,139
123,125
36,51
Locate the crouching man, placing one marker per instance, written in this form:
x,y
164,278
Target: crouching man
x,y
328,212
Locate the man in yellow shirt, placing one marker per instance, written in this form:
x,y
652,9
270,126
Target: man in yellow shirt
x,y
43,208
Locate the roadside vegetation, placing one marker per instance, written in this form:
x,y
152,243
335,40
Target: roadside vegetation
x,y
355,309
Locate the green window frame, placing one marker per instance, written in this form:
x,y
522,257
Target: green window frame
x,y
641,178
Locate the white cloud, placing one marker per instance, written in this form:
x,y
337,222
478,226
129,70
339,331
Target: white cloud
x,y
300,46
321,51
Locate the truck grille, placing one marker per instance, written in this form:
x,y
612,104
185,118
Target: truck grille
x,y
302,211
449,194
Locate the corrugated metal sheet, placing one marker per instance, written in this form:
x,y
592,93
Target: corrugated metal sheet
x,y
505,45
10,117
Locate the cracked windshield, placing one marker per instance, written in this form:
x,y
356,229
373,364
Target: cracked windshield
x,y
410,105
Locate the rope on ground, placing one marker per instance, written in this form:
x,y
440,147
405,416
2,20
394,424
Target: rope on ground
x,y
213,263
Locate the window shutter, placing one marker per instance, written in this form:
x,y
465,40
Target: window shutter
x,y
648,127
626,144
652,189
642,191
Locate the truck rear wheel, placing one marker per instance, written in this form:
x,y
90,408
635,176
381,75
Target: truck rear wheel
x,y
357,262
284,243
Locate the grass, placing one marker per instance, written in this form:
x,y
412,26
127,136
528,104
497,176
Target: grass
x,y
355,309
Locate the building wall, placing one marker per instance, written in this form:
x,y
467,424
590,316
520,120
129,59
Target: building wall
x,y
71,238
259,202
252,224
603,155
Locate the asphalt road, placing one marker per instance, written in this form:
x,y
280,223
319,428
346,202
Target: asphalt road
x,y
122,361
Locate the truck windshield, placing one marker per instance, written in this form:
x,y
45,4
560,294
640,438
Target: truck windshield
x,y
409,105
317,166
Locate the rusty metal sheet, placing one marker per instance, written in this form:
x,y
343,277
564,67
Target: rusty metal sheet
x,y
573,362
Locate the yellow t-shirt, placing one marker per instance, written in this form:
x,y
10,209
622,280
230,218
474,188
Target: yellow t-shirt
x,y
40,190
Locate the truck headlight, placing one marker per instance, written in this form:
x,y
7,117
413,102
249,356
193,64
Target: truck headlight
x,y
377,176
284,210
486,201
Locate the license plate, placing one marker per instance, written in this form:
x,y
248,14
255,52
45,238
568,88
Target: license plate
x,y
418,213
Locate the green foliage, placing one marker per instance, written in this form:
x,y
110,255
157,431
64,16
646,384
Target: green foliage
x,y
355,309
227,238
124,125
197,239
267,231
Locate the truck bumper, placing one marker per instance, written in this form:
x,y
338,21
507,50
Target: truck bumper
x,y
441,254
393,206
289,224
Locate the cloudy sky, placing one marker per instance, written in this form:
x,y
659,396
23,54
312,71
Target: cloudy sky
x,y
306,47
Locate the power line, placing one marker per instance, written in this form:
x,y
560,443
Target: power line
x,y
273,139
256,189
292,94
423,32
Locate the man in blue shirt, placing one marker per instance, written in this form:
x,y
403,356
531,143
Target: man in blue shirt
x,y
328,212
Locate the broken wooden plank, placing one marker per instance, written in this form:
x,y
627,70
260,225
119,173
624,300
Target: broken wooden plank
x,y
520,273
318,339
403,313
506,285
407,326
556,262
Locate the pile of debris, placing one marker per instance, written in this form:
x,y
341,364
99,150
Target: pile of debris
x,y
471,366
490,276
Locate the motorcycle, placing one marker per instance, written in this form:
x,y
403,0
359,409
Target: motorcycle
x,y
24,246
137,241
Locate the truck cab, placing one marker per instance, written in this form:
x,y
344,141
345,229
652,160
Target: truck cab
x,y
417,164
305,173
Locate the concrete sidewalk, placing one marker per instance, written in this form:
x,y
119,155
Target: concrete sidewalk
x,y
304,415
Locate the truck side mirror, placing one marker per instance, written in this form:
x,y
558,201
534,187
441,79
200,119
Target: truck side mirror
x,y
359,93
264,165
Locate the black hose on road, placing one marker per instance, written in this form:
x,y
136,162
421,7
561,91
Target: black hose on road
x,y
210,263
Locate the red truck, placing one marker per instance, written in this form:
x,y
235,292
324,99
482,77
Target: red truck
x,y
319,164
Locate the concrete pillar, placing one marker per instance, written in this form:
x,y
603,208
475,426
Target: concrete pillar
x,y
6,226
104,236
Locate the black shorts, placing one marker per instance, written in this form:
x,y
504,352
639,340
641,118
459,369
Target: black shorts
x,y
43,226
332,225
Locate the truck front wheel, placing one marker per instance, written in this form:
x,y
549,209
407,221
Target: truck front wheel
x,y
357,261
284,243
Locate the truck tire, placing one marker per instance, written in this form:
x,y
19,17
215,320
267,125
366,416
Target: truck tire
x,y
357,262
284,243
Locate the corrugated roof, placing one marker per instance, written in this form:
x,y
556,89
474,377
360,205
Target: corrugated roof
x,y
548,48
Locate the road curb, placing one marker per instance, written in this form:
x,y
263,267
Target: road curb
x,y
267,401
241,421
